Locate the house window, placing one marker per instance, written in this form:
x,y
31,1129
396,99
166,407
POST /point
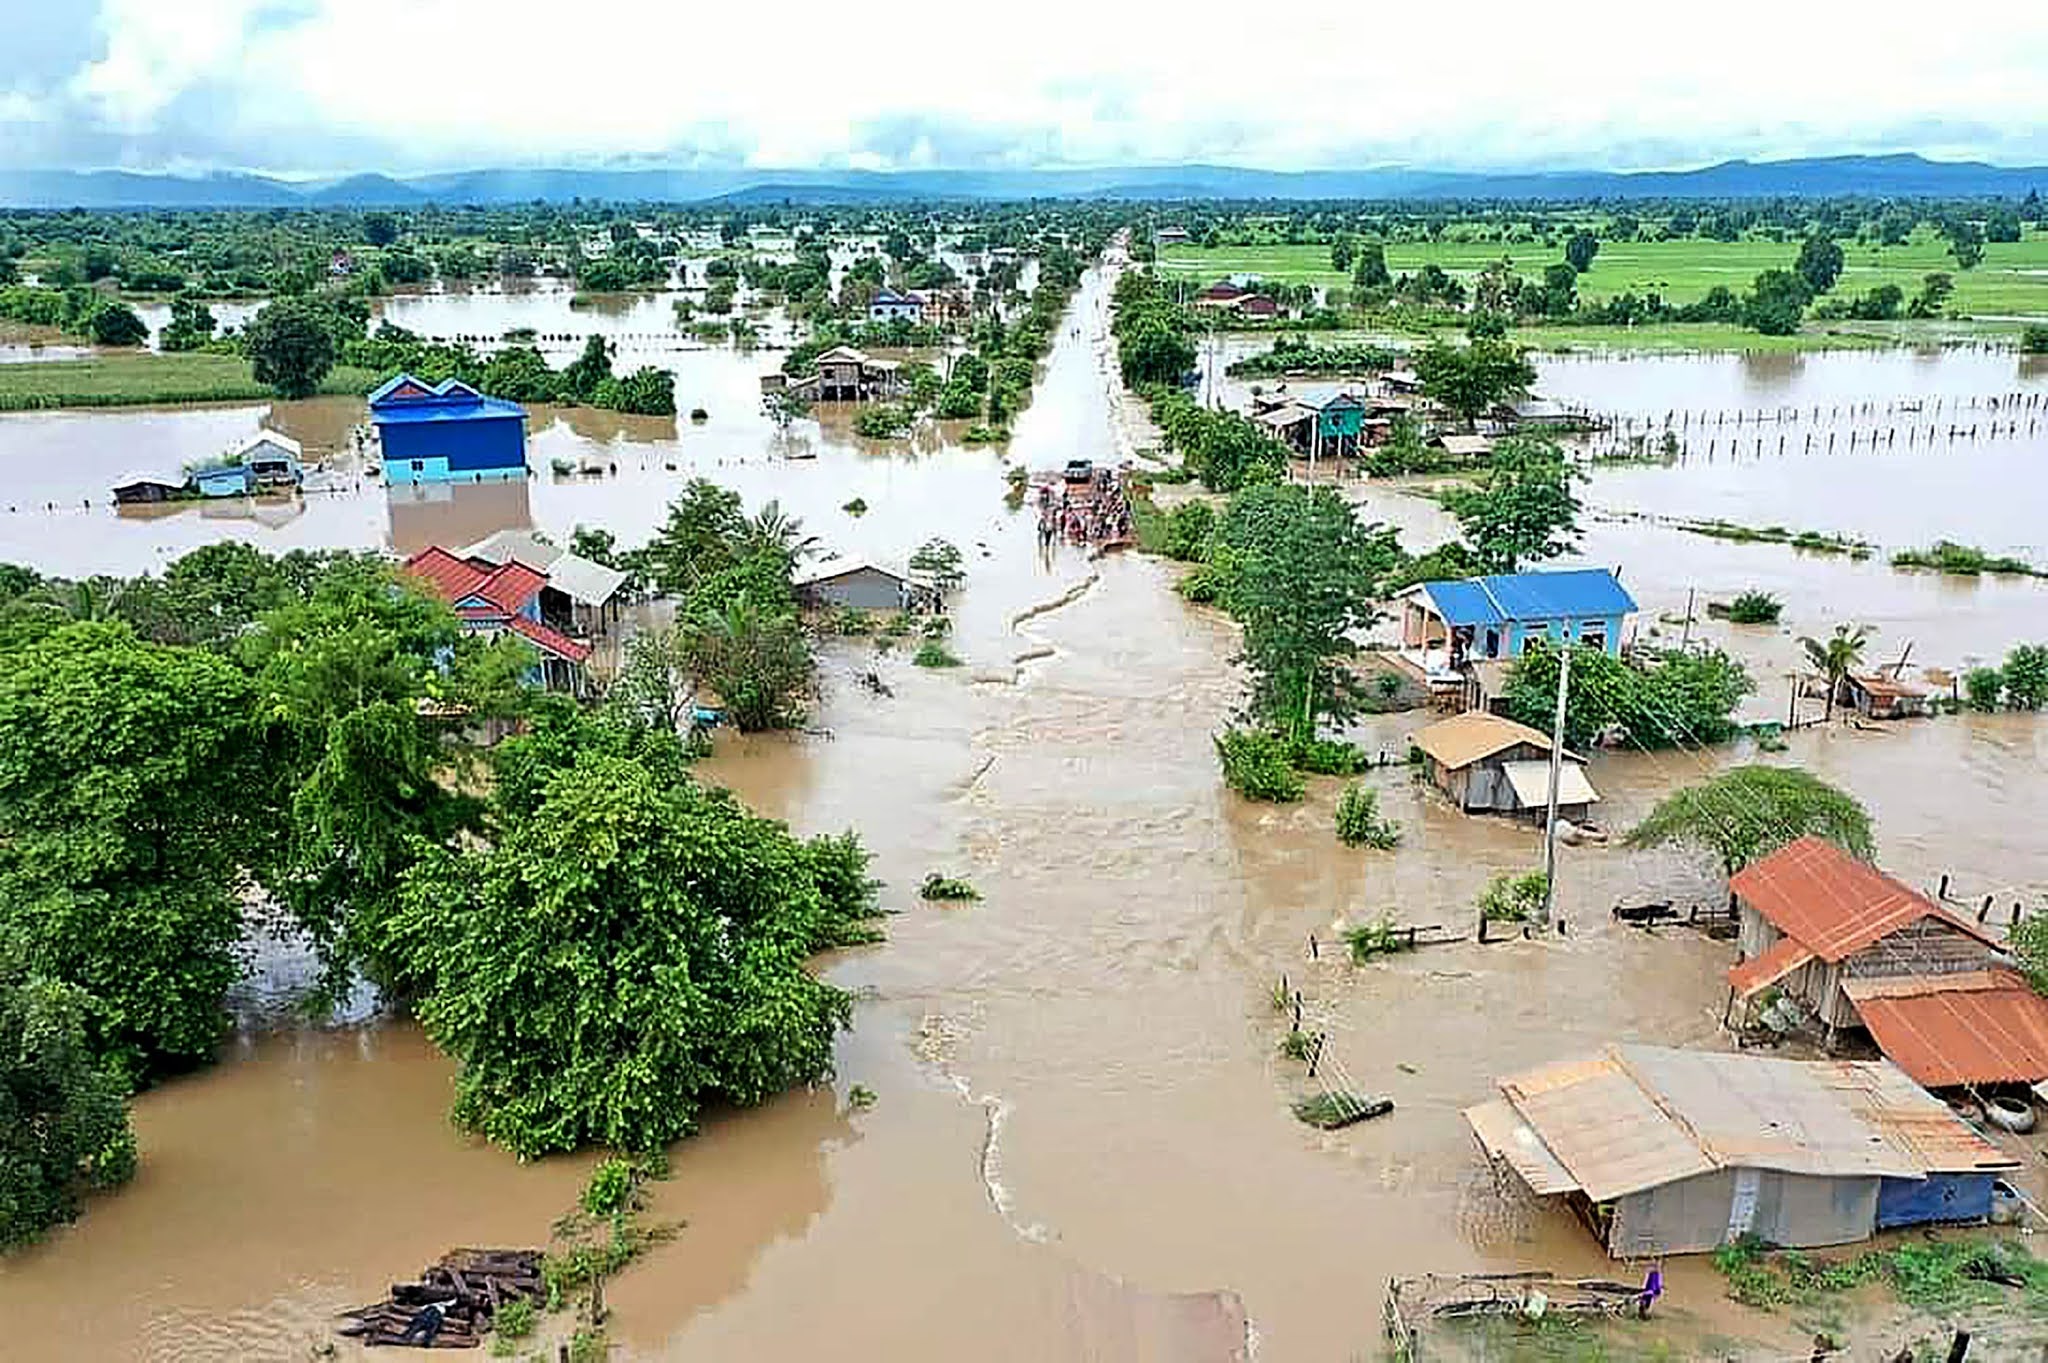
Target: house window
x,y
1594,636
419,466
1493,643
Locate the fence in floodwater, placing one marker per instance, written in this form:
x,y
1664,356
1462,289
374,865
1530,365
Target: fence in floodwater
x,y
1682,435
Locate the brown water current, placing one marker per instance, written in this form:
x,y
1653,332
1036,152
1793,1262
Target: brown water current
x,y
1081,1146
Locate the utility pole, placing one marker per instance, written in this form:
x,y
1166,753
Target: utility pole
x,y
1685,640
1564,672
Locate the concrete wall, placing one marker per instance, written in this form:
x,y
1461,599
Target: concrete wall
x,y
1697,1214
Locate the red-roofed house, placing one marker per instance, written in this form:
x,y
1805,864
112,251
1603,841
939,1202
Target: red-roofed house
x,y
1857,947
492,598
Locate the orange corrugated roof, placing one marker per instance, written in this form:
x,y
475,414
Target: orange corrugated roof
x,y
1833,904
1946,1037
1761,972
508,586
549,638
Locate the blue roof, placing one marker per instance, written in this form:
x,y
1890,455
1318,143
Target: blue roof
x,y
449,400
1578,593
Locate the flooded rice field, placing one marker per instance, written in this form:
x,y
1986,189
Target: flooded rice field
x,y
1081,1147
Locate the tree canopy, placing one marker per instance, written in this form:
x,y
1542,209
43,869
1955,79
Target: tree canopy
x,y
1300,573
1676,699
1524,509
1470,379
63,1123
1748,812
627,951
291,346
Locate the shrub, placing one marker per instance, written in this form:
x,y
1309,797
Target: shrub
x,y
610,1187
1755,608
1983,686
851,620
2026,677
857,507
1256,765
2034,340
1187,529
1359,823
980,434
883,421
932,653
1377,938
1509,898
515,1319
946,889
1326,757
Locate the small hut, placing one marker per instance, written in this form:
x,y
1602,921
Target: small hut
x,y
1489,764
1874,695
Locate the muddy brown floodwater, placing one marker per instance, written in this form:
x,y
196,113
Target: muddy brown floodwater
x,y
1081,1146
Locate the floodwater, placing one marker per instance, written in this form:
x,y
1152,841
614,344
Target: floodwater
x,y
1081,1147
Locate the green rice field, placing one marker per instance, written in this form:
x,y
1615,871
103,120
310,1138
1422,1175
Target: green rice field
x,y
2012,281
136,378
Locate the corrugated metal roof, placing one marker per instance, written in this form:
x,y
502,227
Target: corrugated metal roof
x,y
1765,970
1879,685
1571,593
1833,904
1466,445
1464,739
1977,1031
1531,782
585,580
506,546
1600,1124
1911,1120
508,587
1505,1136
1637,1117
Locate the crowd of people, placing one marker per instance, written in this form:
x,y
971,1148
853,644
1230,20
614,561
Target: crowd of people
x,y
1084,509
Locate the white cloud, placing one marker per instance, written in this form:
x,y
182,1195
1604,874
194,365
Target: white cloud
x,y
933,82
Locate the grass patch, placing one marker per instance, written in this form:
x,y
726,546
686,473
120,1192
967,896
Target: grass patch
x,y
932,653
1812,541
1964,560
1328,1111
1936,1276
140,379
1377,938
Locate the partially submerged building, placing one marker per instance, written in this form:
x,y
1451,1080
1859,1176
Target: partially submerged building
x,y
1856,948
1662,1151
845,374
859,585
1498,616
581,597
494,599
1874,695
1487,764
890,304
141,488
447,432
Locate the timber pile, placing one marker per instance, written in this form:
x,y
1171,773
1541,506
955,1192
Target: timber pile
x,y
469,1285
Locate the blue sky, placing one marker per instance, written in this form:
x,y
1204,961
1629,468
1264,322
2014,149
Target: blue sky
x,y
331,86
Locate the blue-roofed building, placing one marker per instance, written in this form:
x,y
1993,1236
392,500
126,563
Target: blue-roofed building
x,y
447,432
1478,619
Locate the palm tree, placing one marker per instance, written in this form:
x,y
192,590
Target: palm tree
x,y
772,528
1836,656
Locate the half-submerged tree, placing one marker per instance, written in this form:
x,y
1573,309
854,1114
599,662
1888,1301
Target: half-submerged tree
x,y
1750,812
63,1122
628,951
1836,656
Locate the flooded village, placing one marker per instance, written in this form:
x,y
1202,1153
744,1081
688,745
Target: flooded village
x,y
1182,1075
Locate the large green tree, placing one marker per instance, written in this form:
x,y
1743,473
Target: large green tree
x,y
627,952
1819,264
291,346
1524,509
363,690
131,790
1470,379
758,660
63,1122
1301,571
1748,812
1678,699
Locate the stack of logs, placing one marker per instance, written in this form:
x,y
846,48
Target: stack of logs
x,y
469,1285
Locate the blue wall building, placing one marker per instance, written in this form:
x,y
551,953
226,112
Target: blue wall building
x,y
1497,617
447,432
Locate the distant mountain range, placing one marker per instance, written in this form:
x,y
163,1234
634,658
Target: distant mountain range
x,y
1883,176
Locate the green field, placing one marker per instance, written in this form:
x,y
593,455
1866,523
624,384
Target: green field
x,y
2012,281
136,378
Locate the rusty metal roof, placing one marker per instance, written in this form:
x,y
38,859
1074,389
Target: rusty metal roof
x,y
1761,972
1833,904
1978,1027
1637,1117
1464,739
